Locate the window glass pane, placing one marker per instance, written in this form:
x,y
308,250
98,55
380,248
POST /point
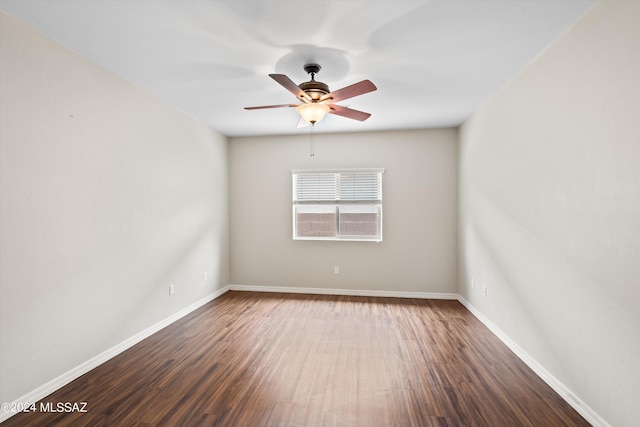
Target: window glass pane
x,y
359,220
316,220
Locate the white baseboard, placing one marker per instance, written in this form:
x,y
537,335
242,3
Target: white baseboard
x,y
350,292
64,379
581,407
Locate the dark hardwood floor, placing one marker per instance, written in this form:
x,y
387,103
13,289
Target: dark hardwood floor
x,y
261,359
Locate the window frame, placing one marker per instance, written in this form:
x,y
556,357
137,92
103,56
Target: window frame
x,y
330,195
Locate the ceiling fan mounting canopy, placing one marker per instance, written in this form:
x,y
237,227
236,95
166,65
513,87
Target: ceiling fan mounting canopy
x,y
317,99
312,69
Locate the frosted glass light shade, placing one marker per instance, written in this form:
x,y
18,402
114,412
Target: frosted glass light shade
x,y
313,112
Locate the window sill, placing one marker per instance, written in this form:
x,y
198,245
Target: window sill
x,y
339,239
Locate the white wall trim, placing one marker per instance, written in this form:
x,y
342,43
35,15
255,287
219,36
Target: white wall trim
x,y
581,407
351,292
64,379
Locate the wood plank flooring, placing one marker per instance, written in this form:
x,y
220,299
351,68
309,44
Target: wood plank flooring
x,y
261,359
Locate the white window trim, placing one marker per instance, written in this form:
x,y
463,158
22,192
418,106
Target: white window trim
x,y
342,170
337,203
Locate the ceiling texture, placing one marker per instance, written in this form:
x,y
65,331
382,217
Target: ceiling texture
x,y
434,62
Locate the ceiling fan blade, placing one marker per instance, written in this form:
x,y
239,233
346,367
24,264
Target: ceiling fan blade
x,y
348,112
289,85
355,89
262,107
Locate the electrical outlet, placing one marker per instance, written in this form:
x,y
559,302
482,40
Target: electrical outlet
x,y
484,290
204,276
172,289
336,269
473,283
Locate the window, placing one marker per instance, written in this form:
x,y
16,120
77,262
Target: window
x,y
337,205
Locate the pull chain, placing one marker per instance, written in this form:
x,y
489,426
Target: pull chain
x,y
313,126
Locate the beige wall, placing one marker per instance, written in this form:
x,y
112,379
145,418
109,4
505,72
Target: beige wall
x,y
550,210
418,251
108,196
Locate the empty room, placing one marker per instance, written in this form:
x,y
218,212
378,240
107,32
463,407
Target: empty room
x,y
320,213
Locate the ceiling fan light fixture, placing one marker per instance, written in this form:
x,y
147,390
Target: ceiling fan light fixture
x,y
313,112
316,100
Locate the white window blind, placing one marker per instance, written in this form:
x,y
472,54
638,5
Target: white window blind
x,y
360,186
315,186
337,186
337,204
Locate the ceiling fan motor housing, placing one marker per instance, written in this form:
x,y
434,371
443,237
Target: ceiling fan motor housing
x,y
314,88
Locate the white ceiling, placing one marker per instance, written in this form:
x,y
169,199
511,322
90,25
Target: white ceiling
x,y
434,62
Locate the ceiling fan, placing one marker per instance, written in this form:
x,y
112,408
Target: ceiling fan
x,y
316,100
